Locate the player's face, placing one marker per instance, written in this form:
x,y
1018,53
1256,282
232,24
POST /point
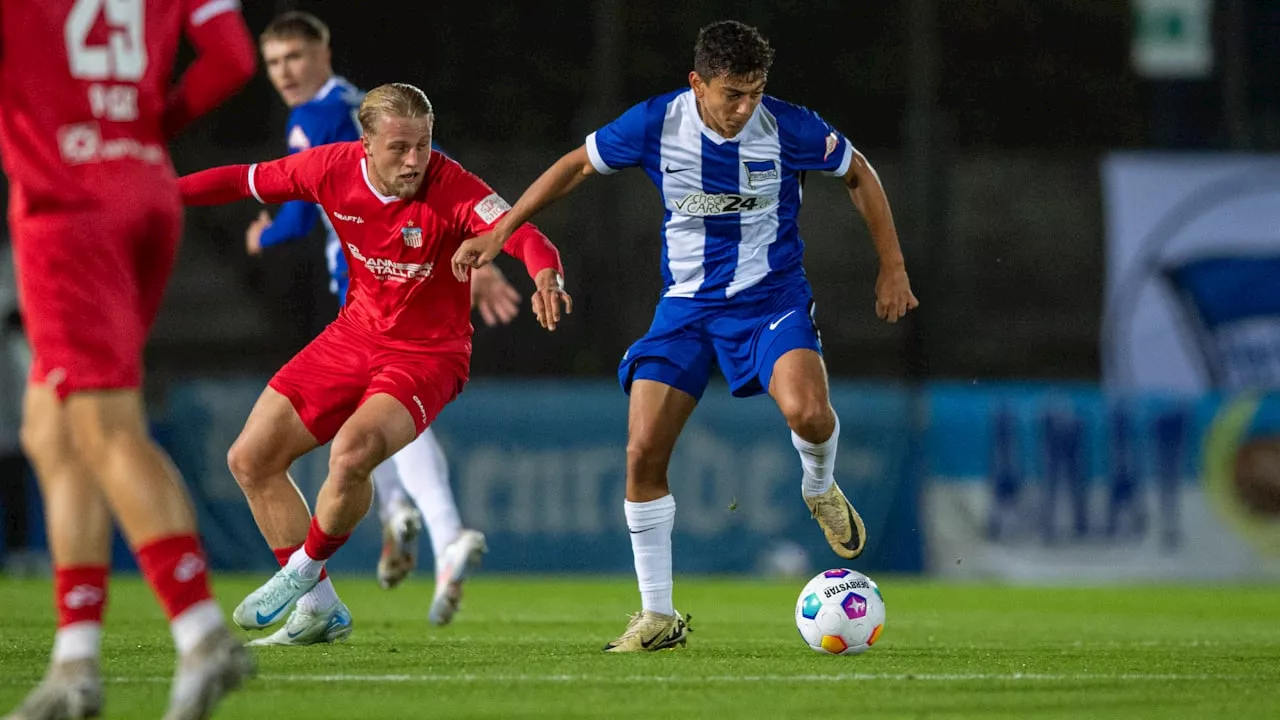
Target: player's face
x,y
298,68
399,150
727,101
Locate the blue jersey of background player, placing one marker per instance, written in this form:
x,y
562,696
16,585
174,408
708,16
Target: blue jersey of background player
x,y
728,162
328,117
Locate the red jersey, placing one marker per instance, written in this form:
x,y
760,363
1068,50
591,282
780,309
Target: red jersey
x,y
398,251
85,90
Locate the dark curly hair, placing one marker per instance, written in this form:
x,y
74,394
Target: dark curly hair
x,y
729,47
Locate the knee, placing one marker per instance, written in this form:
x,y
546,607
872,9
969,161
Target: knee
x,y
251,464
646,459
353,458
813,420
44,440
102,427
33,436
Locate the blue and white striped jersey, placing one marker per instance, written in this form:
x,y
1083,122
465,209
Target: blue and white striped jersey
x,y
732,205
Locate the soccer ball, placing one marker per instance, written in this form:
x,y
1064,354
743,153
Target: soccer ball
x,y
840,612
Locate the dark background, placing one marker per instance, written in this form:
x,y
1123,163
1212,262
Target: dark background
x,y
986,120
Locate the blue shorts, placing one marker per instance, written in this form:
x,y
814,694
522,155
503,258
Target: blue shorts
x,y
745,339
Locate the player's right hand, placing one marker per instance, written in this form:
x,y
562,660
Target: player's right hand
x,y
476,252
893,293
253,236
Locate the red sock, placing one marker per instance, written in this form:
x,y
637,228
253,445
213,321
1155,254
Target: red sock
x,y
176,569
80,594
283,555
321,546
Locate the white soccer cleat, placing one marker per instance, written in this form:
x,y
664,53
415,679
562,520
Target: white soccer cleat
x,y
460,558
70,691
399,545
269,604
311,628
209,671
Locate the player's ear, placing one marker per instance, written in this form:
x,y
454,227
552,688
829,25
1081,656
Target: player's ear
x,y
366,144
695,82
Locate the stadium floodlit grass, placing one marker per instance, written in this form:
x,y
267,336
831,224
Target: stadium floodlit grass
x,y
526,647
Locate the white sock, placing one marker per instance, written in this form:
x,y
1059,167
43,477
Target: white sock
x,y
424,472
650,524
77,641
818,461
388,490
303,564
321,597
194,624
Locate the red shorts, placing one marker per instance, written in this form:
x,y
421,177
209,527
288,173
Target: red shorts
x,y
346,365
90,283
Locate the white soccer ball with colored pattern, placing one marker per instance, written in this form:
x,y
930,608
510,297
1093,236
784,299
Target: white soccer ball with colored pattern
x,y
840,612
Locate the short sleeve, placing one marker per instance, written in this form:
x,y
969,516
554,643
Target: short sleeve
x,y
620,144
477,206
808,141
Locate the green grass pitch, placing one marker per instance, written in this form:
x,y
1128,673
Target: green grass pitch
x,y
530,647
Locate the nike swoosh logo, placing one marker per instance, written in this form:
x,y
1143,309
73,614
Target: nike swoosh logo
x,y
650,641
637,532
672,171
852,543
266,619
774,325
335,622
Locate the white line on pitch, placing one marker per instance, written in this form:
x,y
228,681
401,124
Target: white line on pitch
x,y
696,679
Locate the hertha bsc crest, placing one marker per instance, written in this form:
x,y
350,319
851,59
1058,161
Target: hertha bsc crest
x,y
412,236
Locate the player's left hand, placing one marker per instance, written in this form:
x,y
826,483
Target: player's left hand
x,y
893,293
253,236
476,252
549,296
495,298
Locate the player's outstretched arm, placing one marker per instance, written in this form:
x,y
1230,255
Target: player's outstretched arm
x,y
559,180
296,177
893,288
216,186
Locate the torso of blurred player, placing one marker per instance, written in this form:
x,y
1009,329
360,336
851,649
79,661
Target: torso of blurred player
x,y
87,103
398,249
82,95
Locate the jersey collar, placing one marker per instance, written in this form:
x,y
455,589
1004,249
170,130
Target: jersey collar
x,y
326,88
364,170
